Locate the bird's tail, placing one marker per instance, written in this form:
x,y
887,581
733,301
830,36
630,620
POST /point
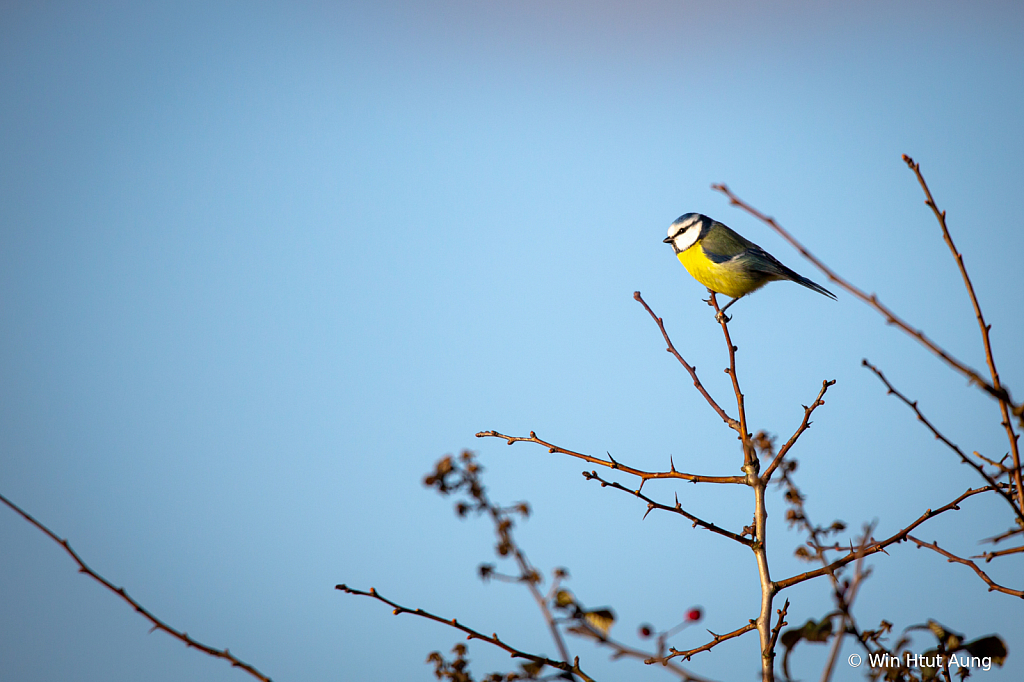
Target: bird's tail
x,y
814,286
769,264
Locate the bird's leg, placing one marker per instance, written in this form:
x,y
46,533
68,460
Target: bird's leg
x,y
721,313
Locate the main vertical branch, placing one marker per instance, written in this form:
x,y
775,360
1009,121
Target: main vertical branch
x,y
764,618
751,467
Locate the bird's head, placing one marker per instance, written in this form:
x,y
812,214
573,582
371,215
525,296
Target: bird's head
x,y
686,230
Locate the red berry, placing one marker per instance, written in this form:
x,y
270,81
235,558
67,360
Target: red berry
x,y
694,614
646,630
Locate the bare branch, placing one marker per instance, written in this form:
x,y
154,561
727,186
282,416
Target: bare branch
x,y
717,639
804,425
450,476
689,368
989,556
952,446
120,592
1004,400
611,463
952,558
779,625
996,539
1003,469
876,547
622,651
677,509
845,598
470,632
749,456
751,466
871,300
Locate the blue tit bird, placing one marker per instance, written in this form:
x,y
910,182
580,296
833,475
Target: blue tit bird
x,y
724,261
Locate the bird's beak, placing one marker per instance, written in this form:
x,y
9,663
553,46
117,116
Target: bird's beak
x,y
667,240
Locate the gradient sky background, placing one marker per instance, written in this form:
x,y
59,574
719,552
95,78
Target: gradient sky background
x,y
262,264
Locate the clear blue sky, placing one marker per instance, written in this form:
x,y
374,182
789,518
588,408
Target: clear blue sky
x,y
262,264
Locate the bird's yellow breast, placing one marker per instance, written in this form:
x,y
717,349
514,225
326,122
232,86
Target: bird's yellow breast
x,y
725,279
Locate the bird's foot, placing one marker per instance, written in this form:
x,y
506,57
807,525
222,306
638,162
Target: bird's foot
x,y
722,318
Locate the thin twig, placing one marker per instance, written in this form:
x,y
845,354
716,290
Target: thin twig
x,y
996,539
120,592
749,457
880,546
528,574
989,556
448,477
912,404
470,632
692,369
677,509
717,639
846,597
804,425
1003,469
945,662
778,626
1004,403
952,558
623,651
611,463
871,300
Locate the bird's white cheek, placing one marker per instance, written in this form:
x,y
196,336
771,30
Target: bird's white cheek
x,y
686,239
